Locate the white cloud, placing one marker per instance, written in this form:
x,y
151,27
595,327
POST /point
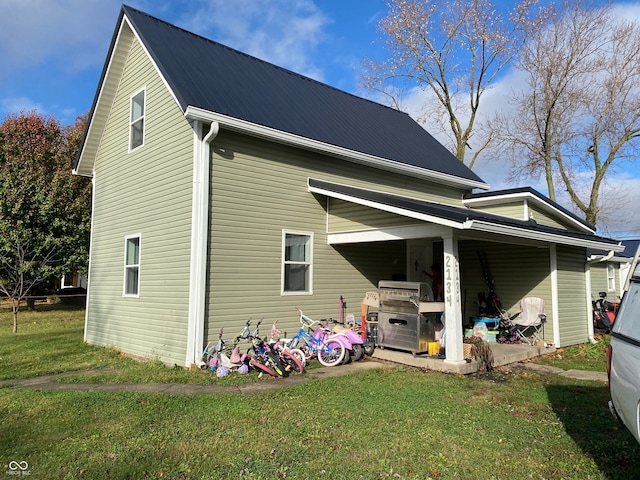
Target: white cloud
x,y
20,104
71,32
66,38
627,11
285,33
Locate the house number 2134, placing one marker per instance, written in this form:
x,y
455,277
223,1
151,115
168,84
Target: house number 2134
x,y
448,284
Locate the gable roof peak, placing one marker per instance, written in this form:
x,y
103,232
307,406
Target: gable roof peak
x,y
263,99
129,9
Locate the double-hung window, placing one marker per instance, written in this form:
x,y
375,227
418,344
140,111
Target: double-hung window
x,y
297,263
136,126
611,278
132,266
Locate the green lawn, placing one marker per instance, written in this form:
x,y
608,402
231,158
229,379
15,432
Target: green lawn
x,y
591,357
390,423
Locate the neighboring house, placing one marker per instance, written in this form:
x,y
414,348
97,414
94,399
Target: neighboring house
x,y
73,280
227,188
608,271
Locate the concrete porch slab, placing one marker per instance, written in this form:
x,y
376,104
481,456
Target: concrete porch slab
x,y
503,354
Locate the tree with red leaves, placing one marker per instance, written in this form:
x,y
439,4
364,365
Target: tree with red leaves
x,y
45,211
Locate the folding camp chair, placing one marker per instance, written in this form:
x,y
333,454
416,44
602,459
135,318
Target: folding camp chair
x,y
529,321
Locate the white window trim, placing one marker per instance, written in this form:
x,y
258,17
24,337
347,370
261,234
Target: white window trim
x,y
125,266
309,291
611,279
143,117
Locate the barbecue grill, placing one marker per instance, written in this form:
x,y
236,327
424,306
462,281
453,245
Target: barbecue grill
x,y
401,325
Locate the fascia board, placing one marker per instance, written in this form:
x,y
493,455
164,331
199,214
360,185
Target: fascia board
x,y
95,129
387,234
532,199
196,113
476,225
387,208
153,62
542,236
614,259
113,73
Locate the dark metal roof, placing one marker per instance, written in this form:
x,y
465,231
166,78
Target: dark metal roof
x,y
449,212
206,74
514,191
630,247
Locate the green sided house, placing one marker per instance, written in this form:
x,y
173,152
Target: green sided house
x,y
227,188
608,272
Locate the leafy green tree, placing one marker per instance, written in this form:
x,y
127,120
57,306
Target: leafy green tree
x,y
45,211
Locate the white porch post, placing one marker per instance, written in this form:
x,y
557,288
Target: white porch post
x,y
553,255
452,302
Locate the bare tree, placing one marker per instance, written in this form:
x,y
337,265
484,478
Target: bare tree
x,y
453,50
578,116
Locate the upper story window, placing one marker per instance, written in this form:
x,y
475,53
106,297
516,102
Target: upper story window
x,y
297,263
136,126
132,266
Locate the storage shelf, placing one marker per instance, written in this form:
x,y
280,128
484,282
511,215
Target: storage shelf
x,y
431,307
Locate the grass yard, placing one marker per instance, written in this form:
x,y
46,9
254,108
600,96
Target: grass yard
x,y
592,357
392,423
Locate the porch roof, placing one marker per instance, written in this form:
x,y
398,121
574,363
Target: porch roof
x,y
460,218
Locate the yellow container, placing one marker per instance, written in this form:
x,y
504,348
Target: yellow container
x,y
434,348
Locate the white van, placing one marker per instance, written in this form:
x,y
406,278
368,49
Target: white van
x,y
623,359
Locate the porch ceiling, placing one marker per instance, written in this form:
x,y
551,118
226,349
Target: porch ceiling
x,y
458,218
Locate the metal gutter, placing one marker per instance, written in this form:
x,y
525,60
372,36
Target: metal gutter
x,y
196,113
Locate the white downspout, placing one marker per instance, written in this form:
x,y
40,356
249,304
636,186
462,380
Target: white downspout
x,y
199,241
93,204
599,259
589,298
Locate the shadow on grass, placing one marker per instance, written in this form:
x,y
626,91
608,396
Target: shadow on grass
x,y
586,418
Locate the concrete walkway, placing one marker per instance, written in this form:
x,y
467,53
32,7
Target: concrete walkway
x,y
49,382
503,354
577,374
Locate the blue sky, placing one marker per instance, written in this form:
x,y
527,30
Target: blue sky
x,y
52,53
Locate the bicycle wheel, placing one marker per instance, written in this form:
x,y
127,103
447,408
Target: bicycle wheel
x,y
300,354
261,367
369,346
358,351
291,361
272,360
331,354
348,354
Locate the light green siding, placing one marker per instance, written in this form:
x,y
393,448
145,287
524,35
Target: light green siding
x,y
147,191
517,271
516,209
259,189
348,217
572,308
543,218
507,209
599,280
